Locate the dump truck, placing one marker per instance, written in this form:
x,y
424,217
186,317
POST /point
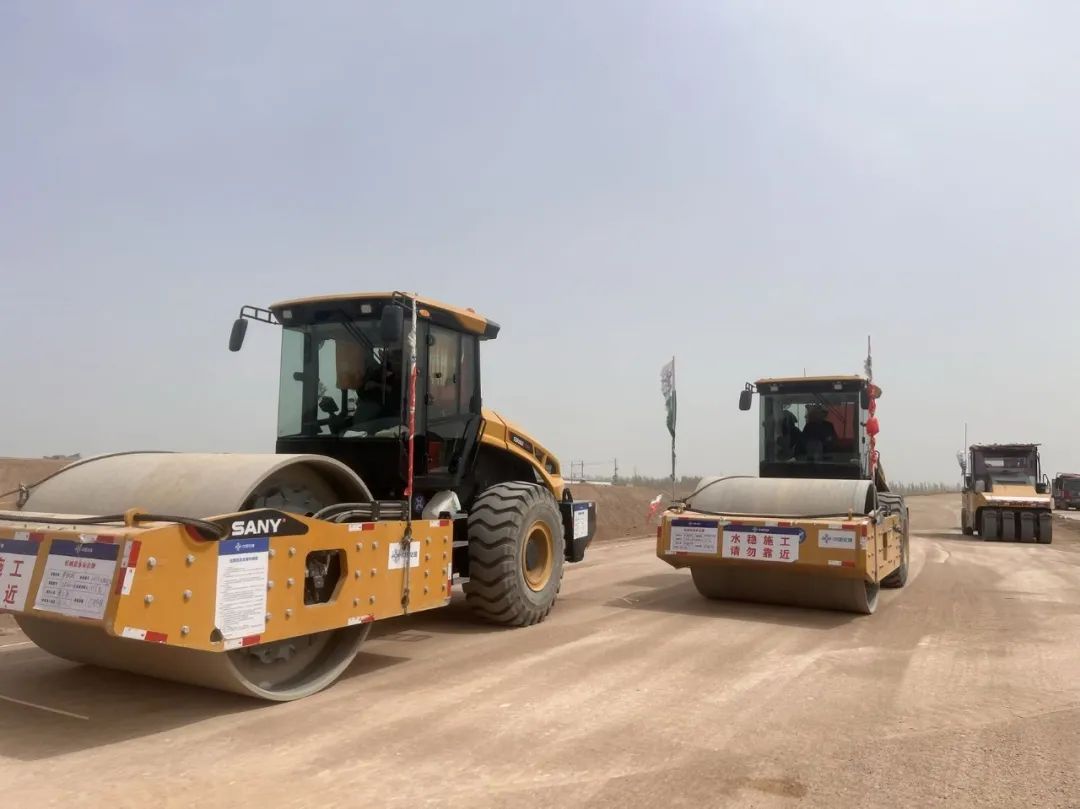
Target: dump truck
x,y
818,527
1065,491
262,574
1005,494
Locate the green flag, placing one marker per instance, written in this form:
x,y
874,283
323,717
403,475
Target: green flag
x,y
667,386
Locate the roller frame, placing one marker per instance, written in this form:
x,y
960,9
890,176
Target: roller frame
x,y
160,614
823,577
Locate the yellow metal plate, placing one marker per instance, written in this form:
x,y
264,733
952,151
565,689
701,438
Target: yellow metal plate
x,y
161,583
854,548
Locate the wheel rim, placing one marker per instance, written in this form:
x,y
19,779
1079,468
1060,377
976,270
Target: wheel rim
x,y
538,557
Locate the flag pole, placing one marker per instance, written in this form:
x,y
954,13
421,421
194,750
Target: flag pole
x,y
673,432
667,387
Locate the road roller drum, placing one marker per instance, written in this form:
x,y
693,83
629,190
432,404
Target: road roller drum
x,y
273,601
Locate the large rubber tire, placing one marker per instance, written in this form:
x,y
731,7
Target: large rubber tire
x,y
1046,528
512,581
989,524
1027,526
898,578
1008,526
967,529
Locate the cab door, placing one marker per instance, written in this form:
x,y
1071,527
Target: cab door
x,y
451,404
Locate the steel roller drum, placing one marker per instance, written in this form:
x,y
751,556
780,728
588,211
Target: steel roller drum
x,y
784,498
202,485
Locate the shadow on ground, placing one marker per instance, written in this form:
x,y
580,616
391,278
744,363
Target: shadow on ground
x,y
120,706
674,593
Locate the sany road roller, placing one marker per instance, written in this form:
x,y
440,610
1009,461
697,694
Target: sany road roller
x,y
262,574
818,526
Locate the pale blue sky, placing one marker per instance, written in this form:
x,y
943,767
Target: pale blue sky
x,y
751,186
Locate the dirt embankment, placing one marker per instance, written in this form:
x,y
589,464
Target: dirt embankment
x,y
621,511
15,472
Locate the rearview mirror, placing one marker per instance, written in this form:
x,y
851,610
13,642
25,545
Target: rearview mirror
x,y
236,338
864,399
746,398
392,325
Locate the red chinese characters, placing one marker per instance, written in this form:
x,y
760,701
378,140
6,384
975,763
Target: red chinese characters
x,y
10,592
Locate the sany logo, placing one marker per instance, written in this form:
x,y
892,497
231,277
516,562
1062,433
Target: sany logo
x,y
249,528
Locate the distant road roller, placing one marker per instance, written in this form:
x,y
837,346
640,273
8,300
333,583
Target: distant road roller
x,y
262,574
818,527
1006,495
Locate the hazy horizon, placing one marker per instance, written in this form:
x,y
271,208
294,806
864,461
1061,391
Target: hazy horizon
x,y
752,188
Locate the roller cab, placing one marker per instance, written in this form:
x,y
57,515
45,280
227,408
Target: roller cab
x,y
818,526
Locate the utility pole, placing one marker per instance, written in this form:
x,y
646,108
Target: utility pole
x,y
615,473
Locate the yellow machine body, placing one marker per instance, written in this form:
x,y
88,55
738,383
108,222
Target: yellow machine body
x,y
821,563
159,582
506,436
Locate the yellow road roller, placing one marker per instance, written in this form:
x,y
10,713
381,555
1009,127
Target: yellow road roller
x,y
1006,496
818,526
262,574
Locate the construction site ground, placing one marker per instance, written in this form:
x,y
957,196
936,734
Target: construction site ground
x,y
962,690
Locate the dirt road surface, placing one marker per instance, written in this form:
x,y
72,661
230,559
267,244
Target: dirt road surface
x,y
963,690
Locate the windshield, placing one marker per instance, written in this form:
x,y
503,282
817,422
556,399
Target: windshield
x,y
1072,485
1007,467
339,379
810,427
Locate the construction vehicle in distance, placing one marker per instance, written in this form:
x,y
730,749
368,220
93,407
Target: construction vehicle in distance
x,y
262,574
818,527
1005,494
1065,491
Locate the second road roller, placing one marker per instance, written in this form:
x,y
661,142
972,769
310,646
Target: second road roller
x,y
818,527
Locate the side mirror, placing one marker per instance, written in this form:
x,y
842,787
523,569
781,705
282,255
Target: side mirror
x,y
239,330
864,399
967,482
392,325
746,398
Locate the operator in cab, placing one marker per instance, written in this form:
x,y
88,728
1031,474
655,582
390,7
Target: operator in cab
x,y
819,435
